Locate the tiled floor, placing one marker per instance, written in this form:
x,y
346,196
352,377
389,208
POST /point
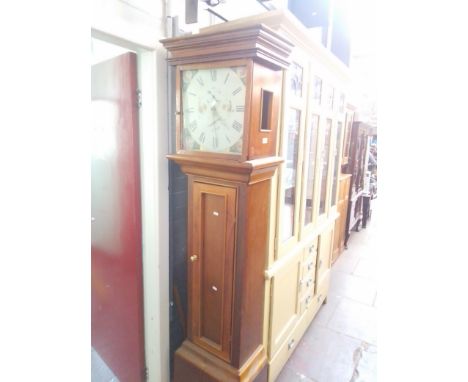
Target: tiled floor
x,y
341,343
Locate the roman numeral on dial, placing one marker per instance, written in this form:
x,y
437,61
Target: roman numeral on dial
x,y
200,81
202,137
236,91
239,108
193,125
237,126
213,75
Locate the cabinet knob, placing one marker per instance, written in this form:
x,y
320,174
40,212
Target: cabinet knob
x,y
193,258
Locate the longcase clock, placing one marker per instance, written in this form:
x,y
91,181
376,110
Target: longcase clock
x,y
228,93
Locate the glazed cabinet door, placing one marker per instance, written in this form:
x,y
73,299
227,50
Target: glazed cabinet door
x,y
212,227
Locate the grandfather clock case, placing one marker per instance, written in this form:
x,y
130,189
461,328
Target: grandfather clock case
x,y
228,193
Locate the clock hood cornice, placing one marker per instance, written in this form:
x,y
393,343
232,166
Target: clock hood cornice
x,y
258,42
248,172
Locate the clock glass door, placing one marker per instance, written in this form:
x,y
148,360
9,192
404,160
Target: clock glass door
x,y
213,106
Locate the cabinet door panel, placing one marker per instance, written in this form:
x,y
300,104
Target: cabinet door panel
x,y
324,255
213,237
284,304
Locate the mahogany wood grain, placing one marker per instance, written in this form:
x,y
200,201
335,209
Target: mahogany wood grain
x,y
193,364
230,328
225,326
250,265
264,53
262,143
212,232
258,42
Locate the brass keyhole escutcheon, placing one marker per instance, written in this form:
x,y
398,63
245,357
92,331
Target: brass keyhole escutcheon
x,y
193,258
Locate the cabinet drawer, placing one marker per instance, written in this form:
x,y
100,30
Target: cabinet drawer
x,y
307,282
311,249
307,277
282,355
307,299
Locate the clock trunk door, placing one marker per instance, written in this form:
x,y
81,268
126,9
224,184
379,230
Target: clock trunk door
x,y
212,227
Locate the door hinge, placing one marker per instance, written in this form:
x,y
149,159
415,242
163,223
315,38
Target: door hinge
x,y
146,373
138,92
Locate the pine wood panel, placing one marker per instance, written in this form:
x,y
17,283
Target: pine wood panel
x,y
285,303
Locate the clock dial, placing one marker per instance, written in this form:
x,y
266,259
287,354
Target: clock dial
x,y
213,105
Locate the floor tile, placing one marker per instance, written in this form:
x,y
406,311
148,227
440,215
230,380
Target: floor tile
x,y
366,268
366,364
289,375
326,310
353,287
325,355
346,263
355,320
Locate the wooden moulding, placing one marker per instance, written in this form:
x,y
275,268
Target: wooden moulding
x,y
248,172
193,364
258,42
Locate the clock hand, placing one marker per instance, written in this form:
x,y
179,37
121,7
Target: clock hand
x,y
216,120
211,94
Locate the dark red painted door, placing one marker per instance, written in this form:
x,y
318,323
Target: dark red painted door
x,y
116,274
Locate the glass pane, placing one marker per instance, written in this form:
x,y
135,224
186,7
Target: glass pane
x,y
342,102
311,152
290,173
296,79
331,96
213,103
317,93
336,161
324,157
347,140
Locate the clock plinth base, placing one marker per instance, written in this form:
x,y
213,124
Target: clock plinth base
x,y
194,364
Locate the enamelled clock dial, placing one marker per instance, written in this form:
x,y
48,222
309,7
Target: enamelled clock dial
x,y
213,106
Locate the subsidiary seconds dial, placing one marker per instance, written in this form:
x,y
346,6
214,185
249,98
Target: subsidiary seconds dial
x,y
213,105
